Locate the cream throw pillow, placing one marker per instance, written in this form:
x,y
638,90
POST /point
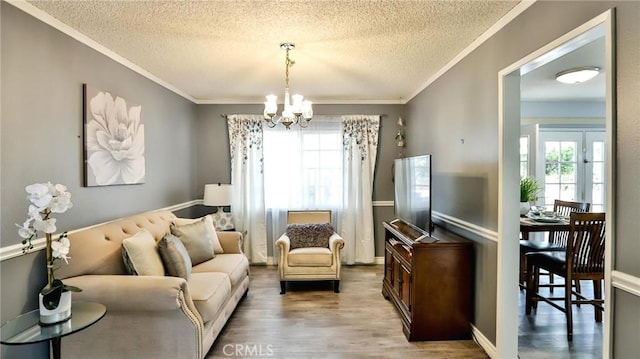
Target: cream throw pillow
x,y
215,242
140,254
175,256
196,238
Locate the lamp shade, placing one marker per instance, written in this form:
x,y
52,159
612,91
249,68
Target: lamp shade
x,y
217,194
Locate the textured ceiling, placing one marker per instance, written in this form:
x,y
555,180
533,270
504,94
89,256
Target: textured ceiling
x,y
228,51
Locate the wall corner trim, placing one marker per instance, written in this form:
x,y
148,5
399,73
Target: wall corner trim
x,y
39,244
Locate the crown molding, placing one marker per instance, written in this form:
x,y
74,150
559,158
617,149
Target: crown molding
x,y
75,34
517,10
322,102
66,29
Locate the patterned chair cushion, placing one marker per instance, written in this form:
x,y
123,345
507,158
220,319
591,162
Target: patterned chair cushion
x,y
309,235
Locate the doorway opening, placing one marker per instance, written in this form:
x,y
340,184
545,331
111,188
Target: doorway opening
x,y
569,173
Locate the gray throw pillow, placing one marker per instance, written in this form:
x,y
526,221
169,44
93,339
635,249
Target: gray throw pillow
x,y
196,239
175,257
309,235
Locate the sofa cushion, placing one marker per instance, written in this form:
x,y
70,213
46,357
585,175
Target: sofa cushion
x,y
196,239
209,292
140,254
310,257
215,242
174,256
309,234
236,266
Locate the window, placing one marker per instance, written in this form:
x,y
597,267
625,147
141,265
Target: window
x,y
303,167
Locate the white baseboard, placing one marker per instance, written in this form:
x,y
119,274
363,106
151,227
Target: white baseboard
x,y
484,342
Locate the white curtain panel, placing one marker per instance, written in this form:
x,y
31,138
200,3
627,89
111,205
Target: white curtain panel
x,y
247,178
360,141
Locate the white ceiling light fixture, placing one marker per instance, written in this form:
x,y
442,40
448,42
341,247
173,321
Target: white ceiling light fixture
x,y
577,75
299,112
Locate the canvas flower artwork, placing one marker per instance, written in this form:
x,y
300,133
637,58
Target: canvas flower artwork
x,y
114,140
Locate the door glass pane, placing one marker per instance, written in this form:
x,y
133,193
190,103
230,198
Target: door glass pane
x,y
561,170
598,151
597,176
598,172
524,156
568,192
551,193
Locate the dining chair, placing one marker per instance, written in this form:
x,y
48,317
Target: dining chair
x,y
582,259
557,239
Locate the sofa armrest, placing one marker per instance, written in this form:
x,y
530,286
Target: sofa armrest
x,y
283,244
133,293
336,243
231,242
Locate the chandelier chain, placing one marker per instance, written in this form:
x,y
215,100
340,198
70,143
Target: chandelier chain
x,y
288,63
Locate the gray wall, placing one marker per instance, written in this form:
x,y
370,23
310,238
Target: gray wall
x,y
463,104
42,75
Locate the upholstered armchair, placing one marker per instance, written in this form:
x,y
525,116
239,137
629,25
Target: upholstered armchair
x,y
311,261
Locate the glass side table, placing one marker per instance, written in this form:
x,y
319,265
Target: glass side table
x,y
25,329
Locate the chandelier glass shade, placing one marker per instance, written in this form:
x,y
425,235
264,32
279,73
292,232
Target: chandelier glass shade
x,y
296,110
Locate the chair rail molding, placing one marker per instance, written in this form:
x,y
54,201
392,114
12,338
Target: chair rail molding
x,y
15,250
626,282
467,227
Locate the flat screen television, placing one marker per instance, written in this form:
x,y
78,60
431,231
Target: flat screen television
x,y
412,187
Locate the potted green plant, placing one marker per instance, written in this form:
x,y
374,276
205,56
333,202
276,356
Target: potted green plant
x,y
529,189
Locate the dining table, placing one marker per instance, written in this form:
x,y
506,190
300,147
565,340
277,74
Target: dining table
x,y
530,224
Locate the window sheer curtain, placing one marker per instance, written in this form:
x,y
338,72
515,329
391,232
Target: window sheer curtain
x,y
303,170
360,141
247,177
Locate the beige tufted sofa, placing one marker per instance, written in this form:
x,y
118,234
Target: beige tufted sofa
x,y
150,316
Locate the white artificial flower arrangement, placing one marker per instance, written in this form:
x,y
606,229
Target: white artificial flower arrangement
x,y
46,199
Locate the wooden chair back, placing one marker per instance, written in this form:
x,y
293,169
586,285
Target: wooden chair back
x,y
585,251
564,209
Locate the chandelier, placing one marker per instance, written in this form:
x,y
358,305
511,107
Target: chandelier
x,y
299,112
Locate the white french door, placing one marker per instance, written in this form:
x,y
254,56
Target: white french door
x,y
571,167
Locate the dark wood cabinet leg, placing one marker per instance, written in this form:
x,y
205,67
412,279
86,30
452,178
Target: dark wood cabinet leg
x,y
336,286
283,287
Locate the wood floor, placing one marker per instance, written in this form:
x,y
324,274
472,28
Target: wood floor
x,y
543,335
311,321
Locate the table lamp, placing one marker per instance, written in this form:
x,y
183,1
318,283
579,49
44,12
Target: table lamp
x,y
219,195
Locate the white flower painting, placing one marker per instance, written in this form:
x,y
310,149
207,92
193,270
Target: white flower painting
x,y
113,140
